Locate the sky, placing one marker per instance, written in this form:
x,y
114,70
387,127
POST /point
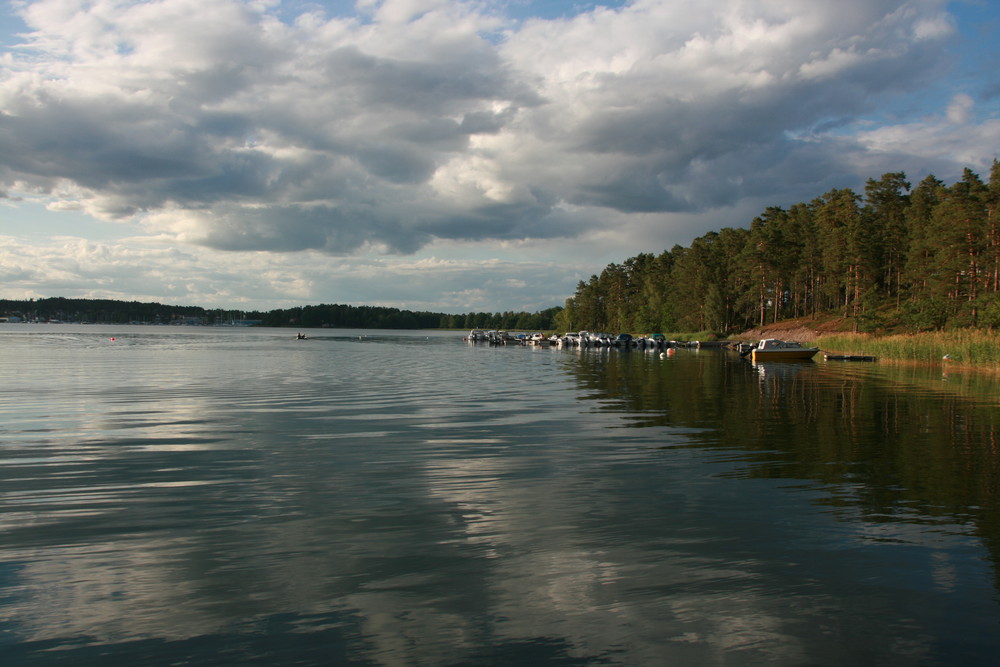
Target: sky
x,y
451,156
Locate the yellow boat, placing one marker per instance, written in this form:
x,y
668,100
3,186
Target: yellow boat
x,y
772,349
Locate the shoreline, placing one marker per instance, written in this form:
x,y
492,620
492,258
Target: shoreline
x,y
963,350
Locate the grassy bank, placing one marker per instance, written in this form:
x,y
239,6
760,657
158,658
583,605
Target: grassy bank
x,y
690,336
967,348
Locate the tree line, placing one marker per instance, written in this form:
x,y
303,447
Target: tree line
x,y
109,311
925,258
102,311
896,257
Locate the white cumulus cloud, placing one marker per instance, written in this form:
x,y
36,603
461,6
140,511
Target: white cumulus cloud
x,y
233,127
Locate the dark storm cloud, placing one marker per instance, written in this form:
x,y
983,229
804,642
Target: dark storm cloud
x,y
484,122
228,129
423,86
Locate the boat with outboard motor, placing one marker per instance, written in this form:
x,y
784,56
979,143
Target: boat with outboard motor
x,y
772,349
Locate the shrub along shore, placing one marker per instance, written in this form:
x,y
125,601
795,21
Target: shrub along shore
x,y
971,348
967,347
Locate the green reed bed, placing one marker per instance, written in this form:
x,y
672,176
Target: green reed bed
x,y
690,336
974,348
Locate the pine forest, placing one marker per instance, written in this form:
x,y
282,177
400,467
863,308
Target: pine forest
x,y
895,259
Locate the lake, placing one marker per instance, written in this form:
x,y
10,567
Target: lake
x,y
228,496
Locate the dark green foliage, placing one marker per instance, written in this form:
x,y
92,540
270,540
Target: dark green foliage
x,y
106,311
919,260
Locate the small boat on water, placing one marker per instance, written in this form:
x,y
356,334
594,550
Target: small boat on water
x,y
538,339
601,339
570,339
623,340
772,349
849,357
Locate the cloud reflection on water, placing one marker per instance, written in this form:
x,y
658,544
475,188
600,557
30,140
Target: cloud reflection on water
x,y
383,503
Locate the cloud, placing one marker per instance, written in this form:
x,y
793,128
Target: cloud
x,y
960,109
934,145
233,127
430,119
158,269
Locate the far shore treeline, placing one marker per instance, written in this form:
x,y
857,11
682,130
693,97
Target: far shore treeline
x,y
108,311
893,259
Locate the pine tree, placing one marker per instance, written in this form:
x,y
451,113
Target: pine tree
x,y
885,208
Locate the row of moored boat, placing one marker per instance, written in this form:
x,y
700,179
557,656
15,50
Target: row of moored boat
x,y
770,349
574,339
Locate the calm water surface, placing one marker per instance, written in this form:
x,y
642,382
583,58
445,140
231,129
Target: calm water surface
x,y
206,496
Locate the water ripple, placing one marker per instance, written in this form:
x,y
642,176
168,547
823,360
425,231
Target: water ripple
x,y
408,499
